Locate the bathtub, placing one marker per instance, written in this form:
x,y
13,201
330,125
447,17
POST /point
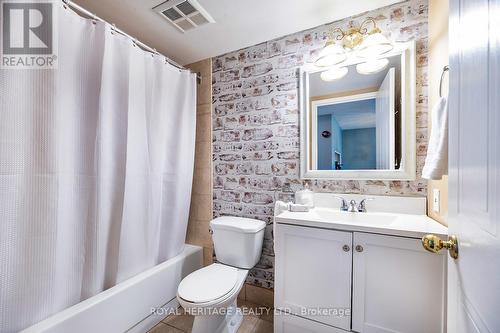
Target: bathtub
x,y
128,306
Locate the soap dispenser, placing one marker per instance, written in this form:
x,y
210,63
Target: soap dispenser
x,y
305,197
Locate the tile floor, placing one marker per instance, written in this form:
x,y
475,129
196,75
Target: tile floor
x,y
252,323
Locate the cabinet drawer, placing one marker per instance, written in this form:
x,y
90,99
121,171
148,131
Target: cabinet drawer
x,y
288,323
313,274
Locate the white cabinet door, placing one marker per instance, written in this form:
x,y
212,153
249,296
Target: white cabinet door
x,y
397,286
288,323
313,273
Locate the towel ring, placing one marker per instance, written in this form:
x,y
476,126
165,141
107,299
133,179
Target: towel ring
x,y
445,69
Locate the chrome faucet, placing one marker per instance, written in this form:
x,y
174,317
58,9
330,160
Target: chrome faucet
x,y
362,205
352,206
343,205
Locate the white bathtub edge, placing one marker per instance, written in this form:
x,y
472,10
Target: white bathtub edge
x,y
153,319
120,308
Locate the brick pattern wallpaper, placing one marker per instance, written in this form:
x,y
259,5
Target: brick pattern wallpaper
x,y
255,122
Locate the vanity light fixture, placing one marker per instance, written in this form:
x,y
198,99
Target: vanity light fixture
x,y
330,55
366,43
334,73
372,66
374,45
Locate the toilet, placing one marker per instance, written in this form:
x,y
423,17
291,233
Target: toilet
x,y
210,293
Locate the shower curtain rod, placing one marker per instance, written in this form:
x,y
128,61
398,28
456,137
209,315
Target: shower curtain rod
x,y
84,11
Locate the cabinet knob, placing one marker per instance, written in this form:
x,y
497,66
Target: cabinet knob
x,y
359,248
346,248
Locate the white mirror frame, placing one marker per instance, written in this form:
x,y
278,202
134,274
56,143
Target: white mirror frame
x,y
407,170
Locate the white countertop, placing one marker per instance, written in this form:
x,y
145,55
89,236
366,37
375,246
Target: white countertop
x,y
404,225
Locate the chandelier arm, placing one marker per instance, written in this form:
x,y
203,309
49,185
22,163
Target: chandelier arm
x,y
363,29
340,34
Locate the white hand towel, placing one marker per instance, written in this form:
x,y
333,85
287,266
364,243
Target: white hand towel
x,y
280,207
298,208
436,162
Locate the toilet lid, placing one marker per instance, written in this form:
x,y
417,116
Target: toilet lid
x,y
208,284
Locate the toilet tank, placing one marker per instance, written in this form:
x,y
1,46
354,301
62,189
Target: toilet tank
x,y
237,240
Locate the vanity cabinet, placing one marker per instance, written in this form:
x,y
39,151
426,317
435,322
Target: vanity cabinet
x,y
329,280
313,273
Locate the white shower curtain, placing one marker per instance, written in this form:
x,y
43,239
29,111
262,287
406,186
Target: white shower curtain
x,y
96,164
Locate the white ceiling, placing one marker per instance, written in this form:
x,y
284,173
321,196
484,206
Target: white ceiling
x,y
238,23
351,115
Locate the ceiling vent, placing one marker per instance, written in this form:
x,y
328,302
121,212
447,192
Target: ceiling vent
x,y
185,15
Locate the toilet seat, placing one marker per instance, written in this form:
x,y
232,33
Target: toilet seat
x,y
208,284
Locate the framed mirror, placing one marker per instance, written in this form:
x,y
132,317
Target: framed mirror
x,y
358,120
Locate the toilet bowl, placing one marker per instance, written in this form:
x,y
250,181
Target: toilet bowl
x,y
210,293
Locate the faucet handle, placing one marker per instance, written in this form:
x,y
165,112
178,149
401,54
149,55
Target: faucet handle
x,y
343,205
362,205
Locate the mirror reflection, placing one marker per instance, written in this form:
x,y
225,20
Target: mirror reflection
x,y
355,118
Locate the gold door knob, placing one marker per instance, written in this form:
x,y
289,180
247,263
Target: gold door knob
x,y
434,244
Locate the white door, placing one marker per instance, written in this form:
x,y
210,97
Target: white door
x,y
474,182
390,293
313,274
384,118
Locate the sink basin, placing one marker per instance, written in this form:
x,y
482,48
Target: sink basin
x,y
387,215
376,219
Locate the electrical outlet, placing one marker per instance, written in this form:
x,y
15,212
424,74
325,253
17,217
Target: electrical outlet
x,y
435,200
